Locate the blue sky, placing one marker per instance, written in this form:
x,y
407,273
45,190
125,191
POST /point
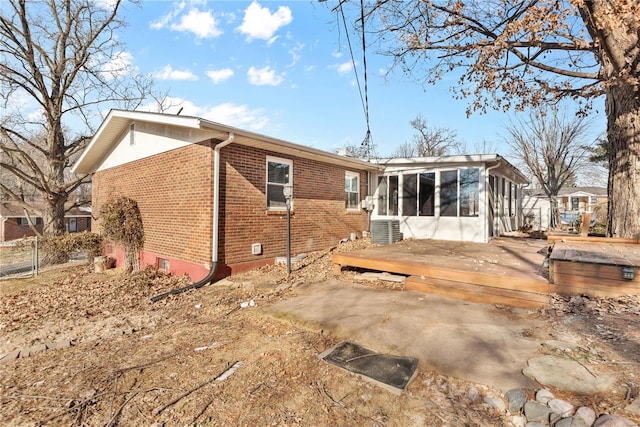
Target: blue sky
x,y
283,69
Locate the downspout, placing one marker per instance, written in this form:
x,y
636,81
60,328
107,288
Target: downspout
x,y
215,231
487,190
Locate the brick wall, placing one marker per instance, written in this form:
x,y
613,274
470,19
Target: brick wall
x,y
174,194
14,231
319,221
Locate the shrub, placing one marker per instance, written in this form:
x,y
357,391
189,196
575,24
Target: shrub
x,y
122,223
59,249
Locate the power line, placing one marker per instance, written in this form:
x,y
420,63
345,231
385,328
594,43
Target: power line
x,y
367,143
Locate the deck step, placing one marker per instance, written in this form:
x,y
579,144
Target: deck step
x,y
477,292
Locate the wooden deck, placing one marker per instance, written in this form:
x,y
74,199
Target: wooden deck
x,y
508,271
505,271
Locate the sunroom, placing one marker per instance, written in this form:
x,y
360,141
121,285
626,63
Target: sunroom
x,y
465,198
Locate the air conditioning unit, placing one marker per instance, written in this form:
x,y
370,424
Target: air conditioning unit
x,y
385,231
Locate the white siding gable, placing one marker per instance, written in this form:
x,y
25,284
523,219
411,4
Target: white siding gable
x,y
150,139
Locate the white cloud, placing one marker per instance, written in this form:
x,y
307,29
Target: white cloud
x,y
296,53
345,67
168,73
264,76
260,23
230,114
165,20
200,23
118,66
218,76
240,116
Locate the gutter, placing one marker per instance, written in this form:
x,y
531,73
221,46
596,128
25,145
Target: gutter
x,y
215,232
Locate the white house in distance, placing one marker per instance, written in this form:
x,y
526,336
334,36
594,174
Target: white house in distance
x,y
465,197
572,202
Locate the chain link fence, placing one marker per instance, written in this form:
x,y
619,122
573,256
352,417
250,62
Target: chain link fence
x,y
19,258
26,258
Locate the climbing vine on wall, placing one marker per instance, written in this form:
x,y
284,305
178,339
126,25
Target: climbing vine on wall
x,y
122,223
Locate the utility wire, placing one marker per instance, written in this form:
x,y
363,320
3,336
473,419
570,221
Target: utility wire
x,y
364,99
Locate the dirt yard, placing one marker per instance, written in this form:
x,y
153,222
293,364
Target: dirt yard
x,y
134,362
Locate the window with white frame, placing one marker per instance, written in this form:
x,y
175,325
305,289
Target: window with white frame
x,y
279,175
352,190
469,192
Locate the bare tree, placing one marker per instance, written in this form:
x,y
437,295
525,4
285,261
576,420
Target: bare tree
x,y
551,148
429,141
61,65
518,54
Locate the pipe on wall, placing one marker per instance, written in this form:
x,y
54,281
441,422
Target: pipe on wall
x,y
215,225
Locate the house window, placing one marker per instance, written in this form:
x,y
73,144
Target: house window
x,y
163,264
575,203
393,195
418,194
409,195
132,134
593,200
469,188
73,225
279,175
352,190
24,222
382,195
427,193
449,193
388,195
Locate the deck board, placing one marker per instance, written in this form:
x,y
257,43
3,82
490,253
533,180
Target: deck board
x,y
504,271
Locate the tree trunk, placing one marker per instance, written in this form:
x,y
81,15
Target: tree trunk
x,y
623,131
554,212
53,221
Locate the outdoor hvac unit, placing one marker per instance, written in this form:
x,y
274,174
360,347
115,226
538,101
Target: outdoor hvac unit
x,y
385,231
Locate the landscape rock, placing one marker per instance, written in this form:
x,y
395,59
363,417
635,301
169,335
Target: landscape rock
x,y
13,355
566,375
516,399
634,407
473,394
565,422
560,407
584,417
518,420
495,402
543,396
613,421
537,412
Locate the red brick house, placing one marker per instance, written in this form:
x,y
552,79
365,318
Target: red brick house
x,y
211,196
14,223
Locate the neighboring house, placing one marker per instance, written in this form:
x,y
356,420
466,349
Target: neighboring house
x,y
468,197
14,223
212,203
572,202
